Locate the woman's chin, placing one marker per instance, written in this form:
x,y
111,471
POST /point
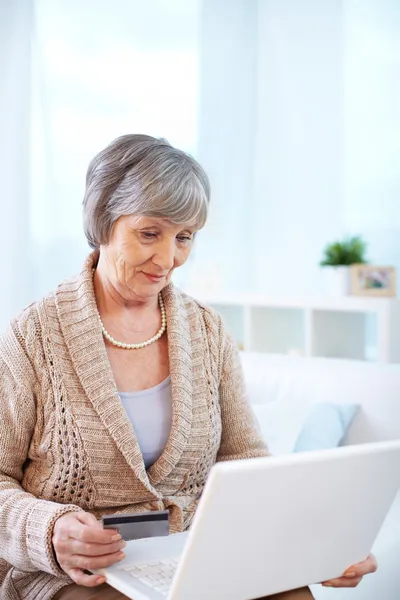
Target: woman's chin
x,y
146,292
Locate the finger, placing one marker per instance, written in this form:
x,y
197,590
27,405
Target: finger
x,y
84,527
89,563
92,535
80,578
373,563
369,565
72,547
90,520
342,582
87,518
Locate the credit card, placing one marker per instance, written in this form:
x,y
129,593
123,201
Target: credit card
x,y
139,525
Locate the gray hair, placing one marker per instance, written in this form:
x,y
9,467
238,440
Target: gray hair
x,y
143,175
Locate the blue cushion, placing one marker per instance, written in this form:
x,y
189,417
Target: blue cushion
x,y
325,426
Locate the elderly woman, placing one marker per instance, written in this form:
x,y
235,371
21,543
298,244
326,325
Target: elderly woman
x,y
118,392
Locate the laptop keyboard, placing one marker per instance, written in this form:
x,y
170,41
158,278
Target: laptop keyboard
x,y
157,574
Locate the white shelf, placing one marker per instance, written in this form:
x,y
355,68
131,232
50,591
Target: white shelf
x,y
312,326
347,303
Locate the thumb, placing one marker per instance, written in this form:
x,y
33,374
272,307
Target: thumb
x,y
88,519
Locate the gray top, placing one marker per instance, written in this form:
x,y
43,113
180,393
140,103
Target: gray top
x,y
150,412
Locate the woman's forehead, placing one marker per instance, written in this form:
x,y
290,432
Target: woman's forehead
x,y
148,221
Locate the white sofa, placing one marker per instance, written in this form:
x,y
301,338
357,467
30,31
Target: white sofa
x,y
376,388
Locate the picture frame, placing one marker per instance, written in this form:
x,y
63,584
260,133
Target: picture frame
x,y
373,280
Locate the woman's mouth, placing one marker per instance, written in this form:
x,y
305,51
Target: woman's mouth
x,y
154,278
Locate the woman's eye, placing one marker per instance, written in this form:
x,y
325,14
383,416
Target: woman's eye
x,y
148,235
184,238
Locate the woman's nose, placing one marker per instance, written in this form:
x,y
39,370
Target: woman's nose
x,y
165,256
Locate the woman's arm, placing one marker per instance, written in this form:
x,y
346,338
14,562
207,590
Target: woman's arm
x,y
26,522
241,436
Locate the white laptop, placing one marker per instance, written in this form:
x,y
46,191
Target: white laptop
x,y
268,525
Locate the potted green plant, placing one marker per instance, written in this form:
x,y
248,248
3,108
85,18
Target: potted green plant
x,y
337,259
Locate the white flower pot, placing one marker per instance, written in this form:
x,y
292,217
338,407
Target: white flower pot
x,y
337,281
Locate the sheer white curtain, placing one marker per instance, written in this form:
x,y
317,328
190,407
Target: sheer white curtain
x,y
15,102
102,69
75,75
78,74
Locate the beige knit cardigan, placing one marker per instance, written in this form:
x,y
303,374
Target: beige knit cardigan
x,y
66,443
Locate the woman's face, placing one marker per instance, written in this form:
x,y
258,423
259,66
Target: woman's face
x,y
143,252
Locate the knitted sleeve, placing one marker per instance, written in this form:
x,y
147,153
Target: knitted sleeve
x,y
26,522
241,437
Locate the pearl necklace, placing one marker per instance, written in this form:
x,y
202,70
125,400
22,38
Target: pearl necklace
x,y
142,344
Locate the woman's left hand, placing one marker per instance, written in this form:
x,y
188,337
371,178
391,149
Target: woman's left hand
x,y
353,575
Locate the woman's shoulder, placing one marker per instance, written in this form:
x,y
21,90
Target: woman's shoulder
x,y
211,323
20,344
24,322
207,312
207,328
31,317
28,320
27,329
24,332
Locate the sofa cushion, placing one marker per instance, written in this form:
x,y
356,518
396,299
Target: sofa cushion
x,y
325,426
294,427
